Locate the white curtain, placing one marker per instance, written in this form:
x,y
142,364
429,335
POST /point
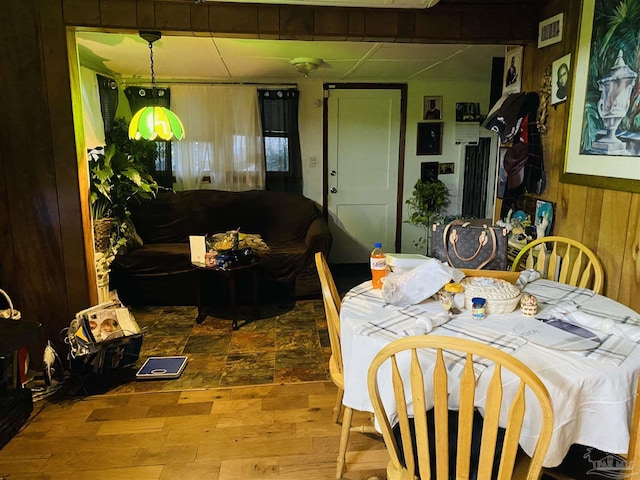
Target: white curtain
x,y
223,137
92,115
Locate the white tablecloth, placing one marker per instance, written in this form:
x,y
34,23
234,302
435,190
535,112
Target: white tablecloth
x,y
592,391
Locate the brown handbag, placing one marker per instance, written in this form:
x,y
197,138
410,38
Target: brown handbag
x,y
464,245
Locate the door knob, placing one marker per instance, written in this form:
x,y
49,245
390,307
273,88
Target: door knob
x,y
333,190
332,173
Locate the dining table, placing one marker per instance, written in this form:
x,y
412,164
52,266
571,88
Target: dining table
x,y
592,388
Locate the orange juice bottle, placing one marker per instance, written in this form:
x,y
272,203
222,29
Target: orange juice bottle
x,y
378,265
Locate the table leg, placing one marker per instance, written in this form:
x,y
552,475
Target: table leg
x,y
232,299
201,311
255,294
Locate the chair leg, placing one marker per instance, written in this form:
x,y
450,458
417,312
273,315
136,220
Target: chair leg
x,y
338,408
344,439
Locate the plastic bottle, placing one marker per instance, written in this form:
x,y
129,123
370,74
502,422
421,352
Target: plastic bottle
x,y
378,265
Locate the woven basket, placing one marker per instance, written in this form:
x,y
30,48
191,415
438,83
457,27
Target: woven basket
x,y
102,234
493,305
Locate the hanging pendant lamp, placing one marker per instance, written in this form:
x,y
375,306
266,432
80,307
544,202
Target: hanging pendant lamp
x,y
154,122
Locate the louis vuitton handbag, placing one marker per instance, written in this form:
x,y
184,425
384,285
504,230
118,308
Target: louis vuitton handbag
x,y
462,244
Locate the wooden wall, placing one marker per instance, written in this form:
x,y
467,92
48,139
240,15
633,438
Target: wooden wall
x,y
43,264
605,220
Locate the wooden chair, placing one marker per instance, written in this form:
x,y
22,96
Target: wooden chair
x,y
332,303
564,260
416,445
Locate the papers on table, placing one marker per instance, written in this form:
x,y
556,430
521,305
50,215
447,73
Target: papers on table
x,y
554,334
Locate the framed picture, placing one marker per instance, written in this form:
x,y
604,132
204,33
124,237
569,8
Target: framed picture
x,y
467,112
550,31
428,171
560,70
429,138
603,149
511,79
432,108
447,168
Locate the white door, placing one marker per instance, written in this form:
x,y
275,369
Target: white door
x,y
363,141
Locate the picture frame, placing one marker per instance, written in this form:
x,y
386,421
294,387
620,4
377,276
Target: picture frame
x,y
429,138
560,74
467,112
432,108
447,168
429,171
512,75
550,30
599,154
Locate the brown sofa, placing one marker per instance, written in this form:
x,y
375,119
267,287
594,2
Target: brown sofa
x,y
159,272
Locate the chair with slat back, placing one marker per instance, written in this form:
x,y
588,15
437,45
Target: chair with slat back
x,y
332,303
564,260
417,355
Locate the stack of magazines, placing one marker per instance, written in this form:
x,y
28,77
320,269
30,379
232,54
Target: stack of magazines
x,y
107,331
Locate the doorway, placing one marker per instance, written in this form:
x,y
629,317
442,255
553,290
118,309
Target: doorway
x,y
479,178
364,126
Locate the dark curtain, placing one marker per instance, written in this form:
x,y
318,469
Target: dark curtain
x,y
141,97
279,113
108,91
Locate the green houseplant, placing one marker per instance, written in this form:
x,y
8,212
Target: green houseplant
x,y
117,178
428,201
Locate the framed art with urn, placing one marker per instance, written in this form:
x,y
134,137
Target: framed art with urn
x,y
603,143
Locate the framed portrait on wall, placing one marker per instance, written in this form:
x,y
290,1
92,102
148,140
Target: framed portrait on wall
x,y
429,171
603,140
429,138
432,108
512,76
560,72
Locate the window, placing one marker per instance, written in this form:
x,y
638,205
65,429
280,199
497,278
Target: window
x,y
279,114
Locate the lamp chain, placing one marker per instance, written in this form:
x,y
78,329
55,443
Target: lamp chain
x,y
153,73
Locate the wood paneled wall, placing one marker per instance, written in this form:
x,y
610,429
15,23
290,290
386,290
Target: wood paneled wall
x,y
43,264
604,220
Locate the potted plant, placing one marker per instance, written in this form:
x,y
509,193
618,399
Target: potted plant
x,y
428,201
117,179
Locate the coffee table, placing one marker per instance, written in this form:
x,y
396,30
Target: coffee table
x,y
229,274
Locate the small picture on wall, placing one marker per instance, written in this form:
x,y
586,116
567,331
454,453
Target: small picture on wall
x,y
432,108
560,71
512,80
446,168
467,112
429,138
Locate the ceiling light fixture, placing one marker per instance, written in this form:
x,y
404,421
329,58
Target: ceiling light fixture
x,y
155,122
306,65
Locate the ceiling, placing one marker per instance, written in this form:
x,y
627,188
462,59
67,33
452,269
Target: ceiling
x,y
345,3
192,58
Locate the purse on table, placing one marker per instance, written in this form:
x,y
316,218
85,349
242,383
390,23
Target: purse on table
x,y
464,245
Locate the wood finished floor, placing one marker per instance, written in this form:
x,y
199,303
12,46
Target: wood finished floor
x,y
254,403
235,433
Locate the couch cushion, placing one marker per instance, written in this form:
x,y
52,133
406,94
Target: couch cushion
x,y
155,258
173,216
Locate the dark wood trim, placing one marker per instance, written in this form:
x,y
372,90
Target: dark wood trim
x,y
487,22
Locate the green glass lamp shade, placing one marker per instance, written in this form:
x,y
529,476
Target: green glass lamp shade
x,y
153,123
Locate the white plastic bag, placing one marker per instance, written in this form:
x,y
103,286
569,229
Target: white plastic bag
x,y
417,284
